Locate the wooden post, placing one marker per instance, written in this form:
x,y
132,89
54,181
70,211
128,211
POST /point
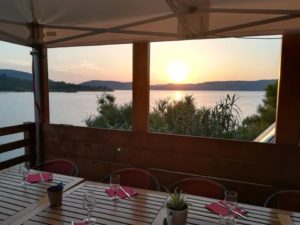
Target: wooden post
x,y
288,106
30,149
41,95
140,86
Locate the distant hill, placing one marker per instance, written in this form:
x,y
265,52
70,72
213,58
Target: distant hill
x,y
116,85
16,74
100,85
12,80
258,85
14,84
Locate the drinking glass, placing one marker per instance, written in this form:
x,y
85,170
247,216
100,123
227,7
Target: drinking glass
x,y
115,185
24,171
89,202
230,202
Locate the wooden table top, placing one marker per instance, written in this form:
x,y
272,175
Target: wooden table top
x,y
17,200
198,214
145,208
139,210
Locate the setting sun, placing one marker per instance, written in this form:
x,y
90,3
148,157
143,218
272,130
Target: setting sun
x,y
177,71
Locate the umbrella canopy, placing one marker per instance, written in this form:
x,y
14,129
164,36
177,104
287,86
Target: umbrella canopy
x,y
62,23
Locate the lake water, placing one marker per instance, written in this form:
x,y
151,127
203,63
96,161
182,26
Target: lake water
x,y
72,108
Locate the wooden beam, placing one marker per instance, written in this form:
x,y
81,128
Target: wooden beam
x,y
14,161
140,86
14,145
16,129
288,106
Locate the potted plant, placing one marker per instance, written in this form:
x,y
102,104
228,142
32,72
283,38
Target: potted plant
x,y
177,208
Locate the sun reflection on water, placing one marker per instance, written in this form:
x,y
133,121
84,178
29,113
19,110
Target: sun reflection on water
x,y
178,95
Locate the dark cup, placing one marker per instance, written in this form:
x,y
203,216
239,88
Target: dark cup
x,y
55,197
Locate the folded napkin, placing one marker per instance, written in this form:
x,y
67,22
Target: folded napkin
x,y
221,210
38,177
121,193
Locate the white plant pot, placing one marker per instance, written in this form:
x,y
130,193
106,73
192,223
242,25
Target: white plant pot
x,y
177,217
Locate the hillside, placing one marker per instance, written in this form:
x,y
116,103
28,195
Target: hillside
x,y
15,84
116,85
16,74
99,85
258,85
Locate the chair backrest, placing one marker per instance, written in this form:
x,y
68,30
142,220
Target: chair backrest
x,y
201,187
136,177
60,166
286,200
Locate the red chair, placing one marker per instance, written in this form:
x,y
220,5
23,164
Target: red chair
x,y
201,187
135,177
286,200
60,166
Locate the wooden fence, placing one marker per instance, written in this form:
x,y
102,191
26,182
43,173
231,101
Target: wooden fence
x,y
28,142
255,170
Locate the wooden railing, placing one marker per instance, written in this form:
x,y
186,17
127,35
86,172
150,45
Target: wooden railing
x,y
255,170
28,143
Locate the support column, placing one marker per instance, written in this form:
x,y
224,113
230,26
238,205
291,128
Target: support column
x,y
141,86
41,95
288,104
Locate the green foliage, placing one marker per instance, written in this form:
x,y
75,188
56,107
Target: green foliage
x,y
254,125
110,114
14,84
183,117
177,201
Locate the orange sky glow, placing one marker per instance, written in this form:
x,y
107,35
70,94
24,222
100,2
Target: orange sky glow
x,y
171,62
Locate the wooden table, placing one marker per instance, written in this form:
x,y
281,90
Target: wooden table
x,y
17,200
198,214
140,210
145,208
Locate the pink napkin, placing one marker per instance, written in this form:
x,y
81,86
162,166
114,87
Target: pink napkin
x,y
37,177
121,193
214,207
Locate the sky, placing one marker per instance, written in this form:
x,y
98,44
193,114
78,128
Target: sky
x,y
193,61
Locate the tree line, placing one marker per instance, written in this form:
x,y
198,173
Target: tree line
x,y
183,117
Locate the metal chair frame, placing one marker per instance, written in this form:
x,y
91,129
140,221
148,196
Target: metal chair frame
x,y
75,171
199,181
154,181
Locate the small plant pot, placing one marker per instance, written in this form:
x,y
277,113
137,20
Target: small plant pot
x,y
55,198
177,217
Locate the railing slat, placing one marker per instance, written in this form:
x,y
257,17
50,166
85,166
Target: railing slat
x,y
28,141
14,145
16,129
14,161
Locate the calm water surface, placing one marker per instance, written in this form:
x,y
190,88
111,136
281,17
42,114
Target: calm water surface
x,y
73,108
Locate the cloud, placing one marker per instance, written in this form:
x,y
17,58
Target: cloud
x,y
85,68
16,62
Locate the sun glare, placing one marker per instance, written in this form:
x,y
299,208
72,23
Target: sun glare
x,y
177,71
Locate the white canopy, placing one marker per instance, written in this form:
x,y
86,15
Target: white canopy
x,y
58,23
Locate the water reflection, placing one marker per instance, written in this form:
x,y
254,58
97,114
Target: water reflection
x,y
178,95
